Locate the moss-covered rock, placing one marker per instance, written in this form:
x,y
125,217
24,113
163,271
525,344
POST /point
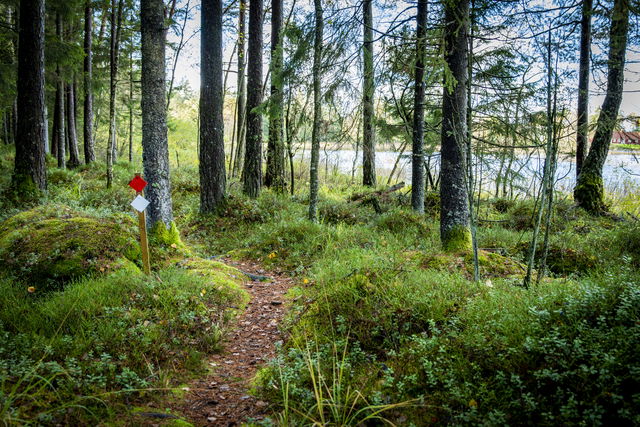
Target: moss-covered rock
x,y
51,245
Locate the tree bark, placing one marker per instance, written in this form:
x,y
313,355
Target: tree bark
x,y
55,137
368,135
417,163
317,111
252,172
89,149
30,173
60,128
455,232
275,148
583,85
155,151
131,104
589,190
116,20
74,154
241,99
212,165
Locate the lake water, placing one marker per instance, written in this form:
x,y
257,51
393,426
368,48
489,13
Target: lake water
x,y
621,171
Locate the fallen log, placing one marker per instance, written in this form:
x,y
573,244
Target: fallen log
x,y
373,199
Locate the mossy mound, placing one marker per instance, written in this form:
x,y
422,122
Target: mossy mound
x,y
50,245
399,221
341,213
561,259
491,264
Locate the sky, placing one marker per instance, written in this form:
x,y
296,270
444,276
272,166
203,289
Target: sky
x,y
188,70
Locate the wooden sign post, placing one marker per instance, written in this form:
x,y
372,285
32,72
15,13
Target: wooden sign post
x,y
140,204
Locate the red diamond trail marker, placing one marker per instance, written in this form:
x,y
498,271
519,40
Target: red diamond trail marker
x,y
138,183
140,204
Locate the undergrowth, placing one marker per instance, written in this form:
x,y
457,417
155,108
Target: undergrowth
x,y
382,327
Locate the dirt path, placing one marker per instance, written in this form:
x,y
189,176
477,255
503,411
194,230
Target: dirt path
x,y
221,399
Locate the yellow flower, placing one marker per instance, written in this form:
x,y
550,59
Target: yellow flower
x,y
202,292
271,255
173,245
31,289
305,281
473,403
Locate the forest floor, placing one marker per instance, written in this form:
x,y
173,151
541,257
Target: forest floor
x,y
222,397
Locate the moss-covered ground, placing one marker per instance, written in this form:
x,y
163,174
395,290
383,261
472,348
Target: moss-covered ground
x,y
383,323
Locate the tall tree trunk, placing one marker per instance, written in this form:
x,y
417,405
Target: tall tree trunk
x,y
131,104
74,154
61,149
589,190
55,131
212,167
30,173
252,172
116,19
155,150
241,98
47,148
417,163
368,135
275,148
583,85
89,150
455,232
317,111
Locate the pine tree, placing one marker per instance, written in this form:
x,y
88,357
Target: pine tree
x,y
252,172
455,232
155,150
30,172
368,134
212,165
589,190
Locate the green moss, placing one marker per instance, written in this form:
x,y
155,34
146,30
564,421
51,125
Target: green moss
x,y
589,193
457,239
167,236
492,265
432,203
24,186
51,245
402,221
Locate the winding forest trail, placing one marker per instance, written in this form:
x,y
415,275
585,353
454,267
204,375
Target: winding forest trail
x,y
221,398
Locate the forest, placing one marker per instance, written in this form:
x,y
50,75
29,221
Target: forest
x,y
319,212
